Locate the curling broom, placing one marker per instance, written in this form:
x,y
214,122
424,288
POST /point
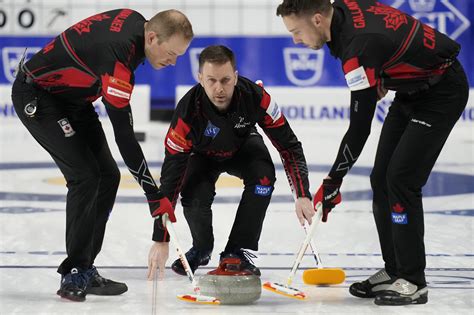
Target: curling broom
x,y
321,275
286,289
193,298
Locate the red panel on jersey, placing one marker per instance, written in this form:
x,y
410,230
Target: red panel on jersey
x,y
265,102
122,72
370,72
350,65
407,71
70,77
175,141
268,121
117,89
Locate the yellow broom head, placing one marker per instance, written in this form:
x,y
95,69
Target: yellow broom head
x,y
324,276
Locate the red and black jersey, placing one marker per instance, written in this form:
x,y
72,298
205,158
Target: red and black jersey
x,y
198,127
97,58
93,58
379,44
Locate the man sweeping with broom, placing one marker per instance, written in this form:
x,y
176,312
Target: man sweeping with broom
x,y
382,48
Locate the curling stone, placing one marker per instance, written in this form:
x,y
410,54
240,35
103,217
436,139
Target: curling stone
x,y
230,284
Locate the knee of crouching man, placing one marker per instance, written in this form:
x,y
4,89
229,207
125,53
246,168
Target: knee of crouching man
x,y
264,186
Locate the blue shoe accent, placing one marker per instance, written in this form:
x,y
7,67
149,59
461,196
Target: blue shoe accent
x,y
73,285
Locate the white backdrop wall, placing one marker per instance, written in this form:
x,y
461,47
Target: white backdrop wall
x,y
209,17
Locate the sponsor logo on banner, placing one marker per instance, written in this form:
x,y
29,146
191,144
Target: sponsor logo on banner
x,y
333,112
11,57
303,66
194,60
211,130
439,14
422,5
263,190
468,114
315,112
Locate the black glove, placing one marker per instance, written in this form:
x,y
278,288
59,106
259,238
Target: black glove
x,y
159,205
329,195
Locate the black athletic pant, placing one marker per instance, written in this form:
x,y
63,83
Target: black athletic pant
x,y
84,158
412,137
253,164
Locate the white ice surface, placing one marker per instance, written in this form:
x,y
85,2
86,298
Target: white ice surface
x,y
32,243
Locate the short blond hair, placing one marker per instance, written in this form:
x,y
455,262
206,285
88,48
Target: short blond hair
x,y
168,23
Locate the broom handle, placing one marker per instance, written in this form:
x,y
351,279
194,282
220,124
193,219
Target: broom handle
x,y
182,256
319,262
304,245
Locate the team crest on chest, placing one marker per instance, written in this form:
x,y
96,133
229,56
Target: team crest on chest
x,y
211,130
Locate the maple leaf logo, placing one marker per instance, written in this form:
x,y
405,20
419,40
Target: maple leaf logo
x,y
398,208
393,17
265,181
84,26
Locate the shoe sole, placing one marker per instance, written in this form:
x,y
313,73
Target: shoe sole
x,y
372,294
73,298
400,300
358,294
100,291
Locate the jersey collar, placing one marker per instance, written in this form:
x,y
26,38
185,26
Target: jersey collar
x,y
336,26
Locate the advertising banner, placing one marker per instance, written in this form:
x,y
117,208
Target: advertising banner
x,y
273,59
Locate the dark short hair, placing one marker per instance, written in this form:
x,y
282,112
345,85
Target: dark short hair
x,y
218,54
303,7
168,23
